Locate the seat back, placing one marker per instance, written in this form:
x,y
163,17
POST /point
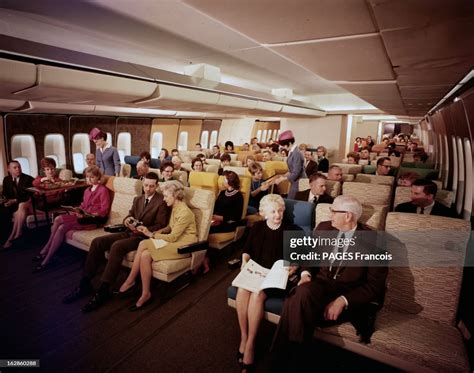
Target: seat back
x,y
349,168
348,177
369,169
425,173
181,176
125,190
204,180
372,215
126,170
374,179
370,194
215,162
241,171
403,194
211,168
299,213
431,292
201,202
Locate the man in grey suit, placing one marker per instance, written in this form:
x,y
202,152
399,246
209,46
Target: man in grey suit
x,y
295,162
151,211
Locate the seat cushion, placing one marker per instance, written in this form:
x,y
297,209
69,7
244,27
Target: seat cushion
x,y
85,237
272,305
413,339
164,266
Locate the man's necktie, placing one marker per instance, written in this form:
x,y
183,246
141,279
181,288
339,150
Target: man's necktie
x,y
146,202
315,200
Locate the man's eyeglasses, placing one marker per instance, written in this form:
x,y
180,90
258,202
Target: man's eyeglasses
x,y
386,166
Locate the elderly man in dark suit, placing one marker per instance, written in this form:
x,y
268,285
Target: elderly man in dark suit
x,y
14,193
310,166
295,162
423,193
151,211
336,289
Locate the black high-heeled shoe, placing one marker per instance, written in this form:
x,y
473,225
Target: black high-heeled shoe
x,y
136,308
39,257
248,368
240,357
124,294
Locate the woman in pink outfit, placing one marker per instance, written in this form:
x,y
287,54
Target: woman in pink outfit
x,y
96,204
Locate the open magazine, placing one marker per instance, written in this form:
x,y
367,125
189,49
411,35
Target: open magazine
x,y
158,243
76,209
254,277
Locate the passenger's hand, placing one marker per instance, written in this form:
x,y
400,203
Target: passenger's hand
x,y
292,269
264,186
10,202
334,309
144,230
304,278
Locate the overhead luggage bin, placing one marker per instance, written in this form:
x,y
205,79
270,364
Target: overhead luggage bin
x,y
11,105
232,104
15,76
180,98
131,111
53,107
56,84
294,110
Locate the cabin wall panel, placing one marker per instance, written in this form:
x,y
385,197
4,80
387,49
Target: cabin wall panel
x,y
363,128
38,126
139,129
82,124
329,131
238,131
193,128
169,128
468,107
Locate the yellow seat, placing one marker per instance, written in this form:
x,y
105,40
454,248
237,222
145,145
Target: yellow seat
x,y
279,168
221,240
204,180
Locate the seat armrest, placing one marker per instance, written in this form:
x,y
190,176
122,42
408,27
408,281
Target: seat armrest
x,y
197,246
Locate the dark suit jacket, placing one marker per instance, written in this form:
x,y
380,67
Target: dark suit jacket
x,y
311,168
360,285
304,195
438,209
154,216
12,191
323,165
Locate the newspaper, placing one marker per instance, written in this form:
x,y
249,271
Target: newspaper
x,y
254,277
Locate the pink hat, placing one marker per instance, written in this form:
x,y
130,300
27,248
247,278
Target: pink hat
x,y
285,135
93,133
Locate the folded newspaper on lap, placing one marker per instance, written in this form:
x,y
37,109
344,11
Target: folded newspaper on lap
x,y
158,244
254,277
76,209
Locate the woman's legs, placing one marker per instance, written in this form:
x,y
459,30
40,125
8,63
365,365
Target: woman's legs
x,y
19,218
255,315
146,272
130,281
242,300
63,223
57,223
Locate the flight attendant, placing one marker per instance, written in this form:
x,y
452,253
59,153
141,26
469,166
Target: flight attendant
x,y
107,157
295,162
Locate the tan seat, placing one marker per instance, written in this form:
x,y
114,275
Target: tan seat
x,y
372,215
374,179
124,191
204,180
201,202
370,194
349,168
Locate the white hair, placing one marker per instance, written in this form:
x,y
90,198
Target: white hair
x,y
351,204
270,199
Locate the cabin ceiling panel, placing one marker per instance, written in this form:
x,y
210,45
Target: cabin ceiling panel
x,y
444,74
277,21
425,92
376,90
394,14
353,59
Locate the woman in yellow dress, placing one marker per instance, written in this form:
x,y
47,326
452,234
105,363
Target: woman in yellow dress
x,y
180,231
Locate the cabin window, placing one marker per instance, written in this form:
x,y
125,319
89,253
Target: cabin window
x,y
124,145
23,149
468,200
205,139
81,146
156,144
454,186
54,148
259,135
213,139
460,191
183,141
264,136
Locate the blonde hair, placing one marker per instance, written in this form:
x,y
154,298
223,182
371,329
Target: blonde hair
x,y
174,187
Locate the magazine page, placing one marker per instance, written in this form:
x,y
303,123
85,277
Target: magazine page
x,y
159,243
254,277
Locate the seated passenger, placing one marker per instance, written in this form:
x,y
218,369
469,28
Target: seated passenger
x,y
335,292
335,173
198,147
216,152
365,155
142,169
382,147
258,188
420,157
267,155
250,160
229,147
310,166
177,162
96,203
15,195
197,165
357,144
229,205
25,208
317,192
180,231
408,178
383,166
423,194
166,171
145,157
245,147
323,162
225,161
164,155
148,210
90,159
264,246
175,152
353,158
